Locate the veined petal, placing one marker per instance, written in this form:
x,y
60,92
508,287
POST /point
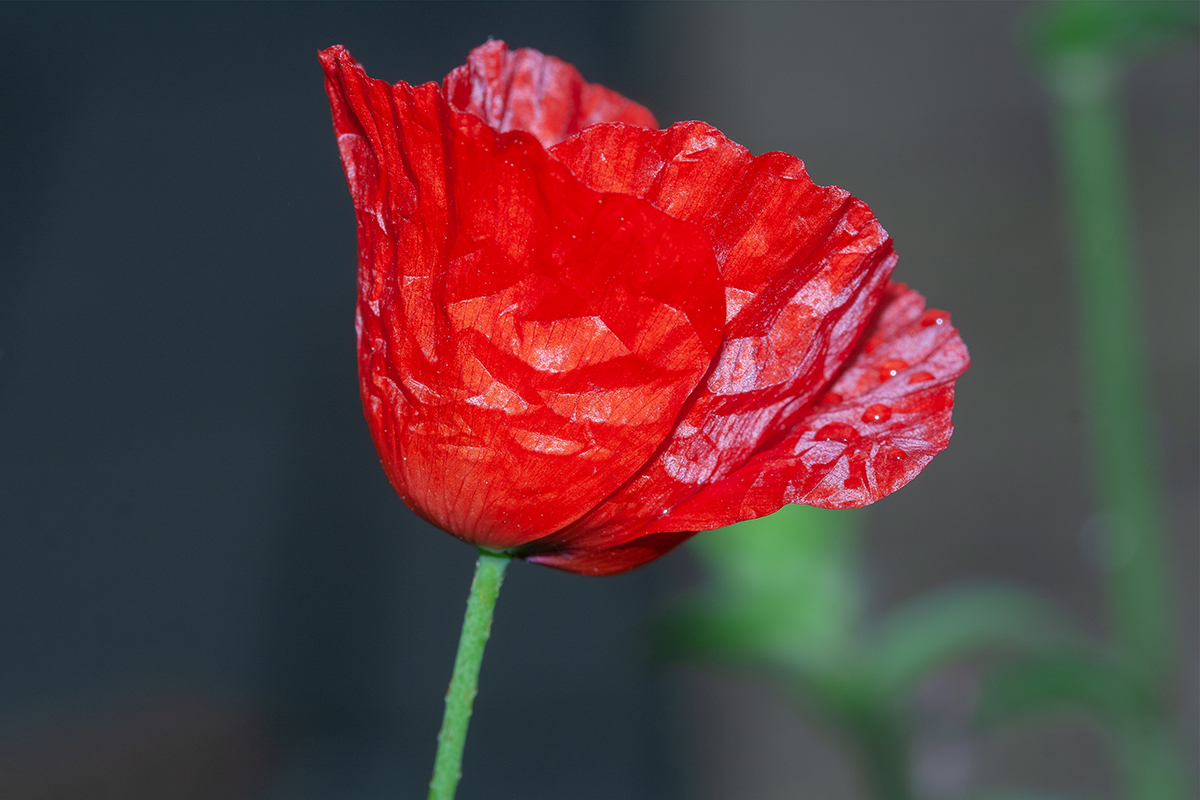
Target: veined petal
x,y
884,418
525,342
526,90
803,268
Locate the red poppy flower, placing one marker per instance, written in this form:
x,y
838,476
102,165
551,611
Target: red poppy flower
x,y
582,339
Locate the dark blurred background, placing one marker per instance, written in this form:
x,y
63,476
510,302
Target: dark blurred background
x,y
209,590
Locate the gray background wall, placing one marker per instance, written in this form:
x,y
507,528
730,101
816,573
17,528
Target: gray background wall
x,y
204,576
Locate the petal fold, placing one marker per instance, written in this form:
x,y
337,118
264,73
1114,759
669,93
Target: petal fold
x,y
526,90
614,560
525,342
803,267
884,418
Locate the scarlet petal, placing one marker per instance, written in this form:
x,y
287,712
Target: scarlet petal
x,y
615,560
529,91
803,267
525,342
845,471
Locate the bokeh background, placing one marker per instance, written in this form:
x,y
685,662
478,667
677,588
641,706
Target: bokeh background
x,y
207,587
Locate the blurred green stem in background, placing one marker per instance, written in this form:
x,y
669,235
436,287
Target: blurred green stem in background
x,y
786,602
1083,50
786,599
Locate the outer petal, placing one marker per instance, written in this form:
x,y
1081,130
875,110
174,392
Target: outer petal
x,y
526,90
803,268
524,342
885,417
612,561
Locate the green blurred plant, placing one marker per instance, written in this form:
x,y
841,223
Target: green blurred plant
x,y
786,597
1082,51
786,601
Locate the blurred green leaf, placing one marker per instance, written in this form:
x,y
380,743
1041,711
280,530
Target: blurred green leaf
x,y
1082,47
1067,681
1152,760
938,628
1115,29
785,590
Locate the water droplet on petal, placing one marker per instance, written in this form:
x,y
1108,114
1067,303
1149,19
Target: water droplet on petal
x,y
877,413
837,432
872,343
921,377
830,398
891,466
935,317
889,368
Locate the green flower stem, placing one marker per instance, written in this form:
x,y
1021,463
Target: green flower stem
x,y
464,683
1088,130
1090,146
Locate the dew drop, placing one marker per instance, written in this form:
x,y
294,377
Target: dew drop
x,y
921,377
889,368
891,465
837,432
877,413
872,343
935,317
831,398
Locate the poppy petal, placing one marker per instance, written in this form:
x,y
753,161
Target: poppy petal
x,y
614,560
526,90
884,418
525,342
803,268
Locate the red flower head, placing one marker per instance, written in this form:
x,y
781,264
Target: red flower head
x,y
582,339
